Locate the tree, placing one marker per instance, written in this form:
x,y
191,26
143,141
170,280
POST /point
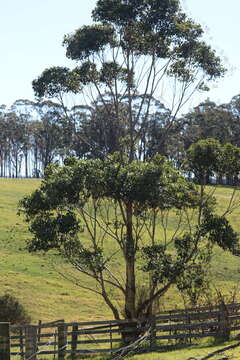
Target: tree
x,y
208,157
130,51
207,120
123,208
230,163
203,159
97,133
122,60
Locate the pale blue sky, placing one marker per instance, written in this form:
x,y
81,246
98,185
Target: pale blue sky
x,y
31,34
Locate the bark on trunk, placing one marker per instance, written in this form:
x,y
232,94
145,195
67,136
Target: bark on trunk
x,y
130,297
26,164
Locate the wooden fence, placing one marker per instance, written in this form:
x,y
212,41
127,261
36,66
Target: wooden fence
x,y
168,329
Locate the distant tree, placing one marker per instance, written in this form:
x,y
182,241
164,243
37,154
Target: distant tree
x,y
3,144
97,132
230,163
233,108
208,120
48,132
203,159
13,141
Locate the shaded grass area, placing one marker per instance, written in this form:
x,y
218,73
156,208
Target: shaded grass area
x,y
33,279
194,352
190,353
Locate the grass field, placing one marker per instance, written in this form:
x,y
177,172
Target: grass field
x,y
44,292
33,278
35,281
192,353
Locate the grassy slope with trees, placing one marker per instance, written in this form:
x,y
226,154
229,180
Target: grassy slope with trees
x,y
127,29
32,278
45,293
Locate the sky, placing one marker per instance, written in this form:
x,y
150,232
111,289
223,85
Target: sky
x,y
31,34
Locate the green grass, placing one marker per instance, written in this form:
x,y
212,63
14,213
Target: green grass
x,y
191,353
35,281
33,278
45,293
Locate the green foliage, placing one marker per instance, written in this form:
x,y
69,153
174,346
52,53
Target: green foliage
x,y
122,59
208,120
12,311
111,71
157,29
208,157
90,260
55,81
123,12
148,185
220,232
230,160
193,284
50,231
203,158
87,72
88,40
145,26
159,263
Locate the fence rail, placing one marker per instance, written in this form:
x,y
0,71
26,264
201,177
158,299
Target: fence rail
x,y
167,329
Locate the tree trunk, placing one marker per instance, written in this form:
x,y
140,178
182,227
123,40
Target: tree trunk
x,y
130,297
130,310
16,165
26,163
1,165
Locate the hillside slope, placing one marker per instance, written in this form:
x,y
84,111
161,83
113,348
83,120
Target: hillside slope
x,y
35,280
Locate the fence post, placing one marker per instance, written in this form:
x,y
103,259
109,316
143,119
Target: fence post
x,y
153,333
223,331
21,334
31,342
39,330
111,342
62,340
74,340
4,341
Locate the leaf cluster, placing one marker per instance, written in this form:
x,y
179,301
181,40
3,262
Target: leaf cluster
x,y
219,231
51,209
54,81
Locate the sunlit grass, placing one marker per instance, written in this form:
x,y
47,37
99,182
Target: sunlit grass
x,y
47,295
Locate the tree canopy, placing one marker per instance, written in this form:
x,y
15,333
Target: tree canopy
x,y
131,51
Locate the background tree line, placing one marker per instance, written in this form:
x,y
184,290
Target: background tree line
x,y
35,134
